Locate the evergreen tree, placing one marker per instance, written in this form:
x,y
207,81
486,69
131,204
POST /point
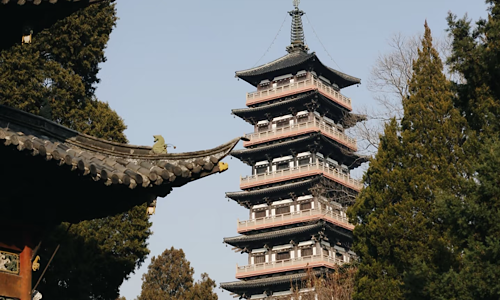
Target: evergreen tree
x,y
56,77
475,56
472,219
399,237
170,276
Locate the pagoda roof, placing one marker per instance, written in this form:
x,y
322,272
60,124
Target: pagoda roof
x,y
342,154
254,196
292,63
274,283
63,175
277,237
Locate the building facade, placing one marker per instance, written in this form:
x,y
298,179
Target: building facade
x,y
300,186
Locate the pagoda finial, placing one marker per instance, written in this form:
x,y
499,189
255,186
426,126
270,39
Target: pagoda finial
x,y
297,42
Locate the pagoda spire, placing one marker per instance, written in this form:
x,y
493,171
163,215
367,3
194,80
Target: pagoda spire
x,y
297,42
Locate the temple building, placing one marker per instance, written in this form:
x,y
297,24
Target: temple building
x,y
51,174
300,185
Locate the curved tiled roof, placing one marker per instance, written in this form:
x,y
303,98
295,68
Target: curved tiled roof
x,y
98,163
296,59
279,189
275,236
243,286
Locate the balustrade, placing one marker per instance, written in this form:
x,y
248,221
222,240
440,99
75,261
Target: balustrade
x,y
307,84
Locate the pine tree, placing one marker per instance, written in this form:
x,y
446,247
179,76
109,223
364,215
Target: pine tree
x,y
402,245
56,77
170,277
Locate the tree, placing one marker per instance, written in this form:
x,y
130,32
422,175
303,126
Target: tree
x,y
170,276
472,218
389,84
476,56
56,77
338,285
402,245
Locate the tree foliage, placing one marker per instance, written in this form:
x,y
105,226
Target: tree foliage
x,y
56,76
476,56
399,238
170,276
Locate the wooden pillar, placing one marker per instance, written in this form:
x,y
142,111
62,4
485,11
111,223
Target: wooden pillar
x,y
25,271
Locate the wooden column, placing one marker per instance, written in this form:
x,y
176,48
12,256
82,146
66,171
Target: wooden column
x,y
25,269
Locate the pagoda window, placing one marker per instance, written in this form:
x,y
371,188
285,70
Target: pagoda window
x,y
325,252
283,255
306,252
262,125
306,206
260,259
282,210
260,214
260,171
282,166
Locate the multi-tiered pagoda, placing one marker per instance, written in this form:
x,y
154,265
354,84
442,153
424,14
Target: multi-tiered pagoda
x,y
301,160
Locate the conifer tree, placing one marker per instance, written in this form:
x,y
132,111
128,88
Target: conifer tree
x,y
475,56
170,277
472,219
399,237
55,77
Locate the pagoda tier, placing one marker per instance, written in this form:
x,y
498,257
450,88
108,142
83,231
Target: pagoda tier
x,y
309,101
295,62
105,178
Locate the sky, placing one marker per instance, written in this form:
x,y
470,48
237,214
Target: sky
x,y
170,71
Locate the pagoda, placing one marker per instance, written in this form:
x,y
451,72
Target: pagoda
x,y
300,186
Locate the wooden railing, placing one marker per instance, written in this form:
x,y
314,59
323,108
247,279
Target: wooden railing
x,y
308,84
287,217
303,126
298,261
318,167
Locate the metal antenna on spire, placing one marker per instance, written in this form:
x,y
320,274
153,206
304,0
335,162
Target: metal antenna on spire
x,y
297,42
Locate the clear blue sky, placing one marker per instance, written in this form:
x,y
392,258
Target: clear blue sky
x,y
170,71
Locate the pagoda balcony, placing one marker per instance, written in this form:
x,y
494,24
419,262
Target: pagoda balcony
x,y
306,85
295,217
316,168
298,129
286,265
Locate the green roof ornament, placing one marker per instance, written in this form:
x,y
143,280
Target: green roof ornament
x,y
159,147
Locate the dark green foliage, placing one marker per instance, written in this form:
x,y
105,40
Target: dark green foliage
x,y
95,256
56,77
473,222
476,57
170,277
402,245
